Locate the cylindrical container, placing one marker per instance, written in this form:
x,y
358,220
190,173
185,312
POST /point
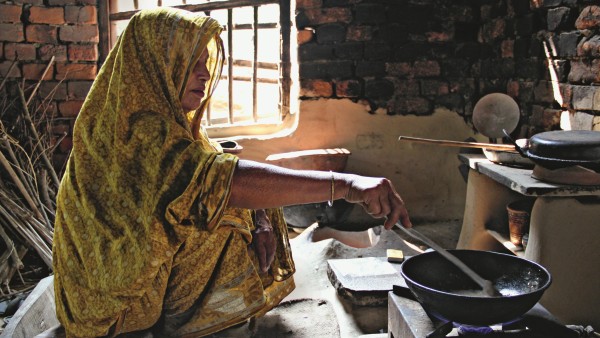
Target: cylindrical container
x,y
519,213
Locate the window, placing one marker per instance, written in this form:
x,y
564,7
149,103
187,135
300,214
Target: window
x,y
253,96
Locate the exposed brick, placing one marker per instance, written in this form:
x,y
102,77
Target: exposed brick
x,y
47,51
377,51
53,89
566,92
75,71
507,48
453,102
10,13
5,66
545,119
379,89
81,15
1,50
21,51
47,15
325,69
359,33
512,88
349,50
524,25
439,36
543,92
11,32
492,30
426,68
313,51
69,108
79,33
41,33
557,18
407,87
583,97
369,13
328,15
62,2
566,43
434,88
548,3
464,87
83,52
589,18
34,71
331,33
370,68
411,51
66,144
589,47
316,88
412,105
348,88
78,89
300,4
584,72
304,36
400,69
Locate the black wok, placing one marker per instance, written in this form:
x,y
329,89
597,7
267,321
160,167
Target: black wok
x,y
436,284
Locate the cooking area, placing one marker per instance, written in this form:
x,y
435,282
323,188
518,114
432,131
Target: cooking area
x,y
484,115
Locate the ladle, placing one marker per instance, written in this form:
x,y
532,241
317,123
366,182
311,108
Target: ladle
x,y
486,285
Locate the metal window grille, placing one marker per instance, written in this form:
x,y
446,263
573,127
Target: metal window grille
x,y
254,88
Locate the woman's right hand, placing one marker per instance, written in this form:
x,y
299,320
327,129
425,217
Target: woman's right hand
x,y
379,198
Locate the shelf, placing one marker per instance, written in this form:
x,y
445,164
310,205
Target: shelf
x,y
504,240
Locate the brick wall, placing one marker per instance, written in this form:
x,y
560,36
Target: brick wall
x,y
32,32
410,57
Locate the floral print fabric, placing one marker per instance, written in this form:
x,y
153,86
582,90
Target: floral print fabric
x,y
143,233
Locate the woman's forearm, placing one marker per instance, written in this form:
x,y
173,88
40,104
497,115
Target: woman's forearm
x,y
257,185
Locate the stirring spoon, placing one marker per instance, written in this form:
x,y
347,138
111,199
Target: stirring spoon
x,y
486,285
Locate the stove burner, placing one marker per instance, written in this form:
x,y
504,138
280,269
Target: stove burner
x,y
468,329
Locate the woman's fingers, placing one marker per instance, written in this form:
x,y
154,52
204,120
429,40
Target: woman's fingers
x,y
380,199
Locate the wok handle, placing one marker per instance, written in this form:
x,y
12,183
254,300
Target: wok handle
x,y
491,146
485,284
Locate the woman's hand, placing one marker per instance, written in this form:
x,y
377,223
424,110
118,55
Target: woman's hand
x,y
263,240
379,198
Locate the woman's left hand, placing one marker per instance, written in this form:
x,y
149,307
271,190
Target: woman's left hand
x,y
263,240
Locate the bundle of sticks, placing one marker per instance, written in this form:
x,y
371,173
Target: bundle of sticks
x,y
28,183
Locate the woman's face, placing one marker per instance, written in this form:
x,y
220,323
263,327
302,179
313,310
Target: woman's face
x,y
194,90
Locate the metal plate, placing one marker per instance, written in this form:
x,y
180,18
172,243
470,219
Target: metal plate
x,y
495,112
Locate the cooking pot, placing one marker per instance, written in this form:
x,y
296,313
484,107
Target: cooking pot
x,y
563,148
440,286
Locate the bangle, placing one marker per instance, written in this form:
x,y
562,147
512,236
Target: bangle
x,y
330,202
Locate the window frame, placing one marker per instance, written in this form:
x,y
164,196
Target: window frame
x,y
287,120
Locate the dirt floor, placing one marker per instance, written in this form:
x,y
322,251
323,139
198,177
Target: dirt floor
x,y
314,308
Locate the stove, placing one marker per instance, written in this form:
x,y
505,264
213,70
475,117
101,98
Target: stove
x,y
407,319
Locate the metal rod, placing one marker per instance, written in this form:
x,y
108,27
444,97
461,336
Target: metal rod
x,y
254,66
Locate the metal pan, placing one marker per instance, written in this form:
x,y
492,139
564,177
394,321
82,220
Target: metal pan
x,y
437,285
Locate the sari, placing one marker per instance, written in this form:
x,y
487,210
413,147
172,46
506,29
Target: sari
x,y
144,238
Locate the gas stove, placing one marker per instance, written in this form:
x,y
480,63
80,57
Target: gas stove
x,y
408,319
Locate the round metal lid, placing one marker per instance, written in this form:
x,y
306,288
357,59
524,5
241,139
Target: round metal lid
x,y
573,145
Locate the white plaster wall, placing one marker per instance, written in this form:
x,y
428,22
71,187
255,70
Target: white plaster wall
x,y
426,176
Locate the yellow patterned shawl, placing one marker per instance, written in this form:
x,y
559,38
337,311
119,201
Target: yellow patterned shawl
x,y
142,178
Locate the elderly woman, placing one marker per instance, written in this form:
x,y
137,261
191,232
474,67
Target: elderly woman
x,y
157,229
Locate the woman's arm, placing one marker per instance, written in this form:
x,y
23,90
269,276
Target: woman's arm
x,y
259,186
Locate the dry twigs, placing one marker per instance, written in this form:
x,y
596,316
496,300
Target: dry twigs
x,y
28,183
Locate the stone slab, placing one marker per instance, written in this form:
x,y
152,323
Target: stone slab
x,y
364,281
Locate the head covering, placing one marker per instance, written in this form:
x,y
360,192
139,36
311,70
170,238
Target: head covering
x,y
141,174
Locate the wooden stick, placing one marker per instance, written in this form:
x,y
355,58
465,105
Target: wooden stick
x,y
40,81
19,185
7,73
31,126
491,146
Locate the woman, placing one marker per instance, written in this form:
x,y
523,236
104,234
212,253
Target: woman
x,y
158,229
